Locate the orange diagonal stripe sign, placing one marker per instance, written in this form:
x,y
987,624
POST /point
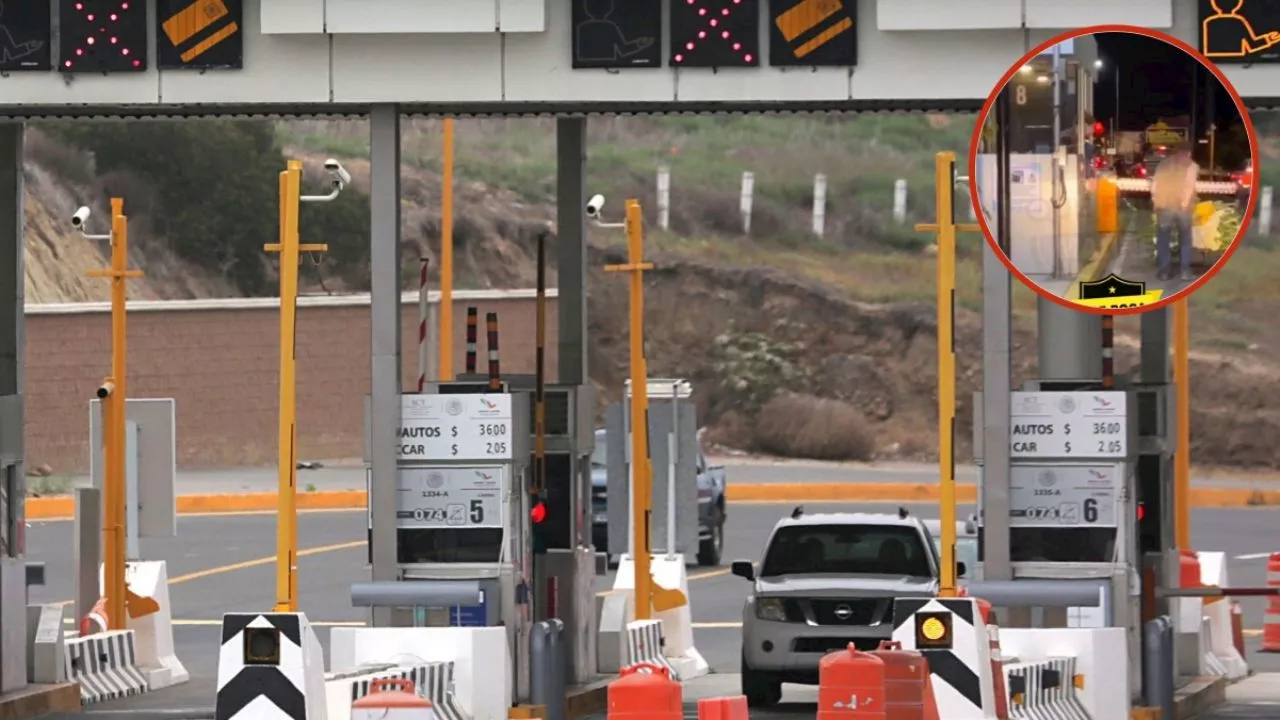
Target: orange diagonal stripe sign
x,y
194,19
808,15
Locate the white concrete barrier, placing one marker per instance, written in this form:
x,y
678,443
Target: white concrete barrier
x,y
156,655
677,623
269,665
482,663
1221,657
46,644
614,610
1100,657
104,665
644,645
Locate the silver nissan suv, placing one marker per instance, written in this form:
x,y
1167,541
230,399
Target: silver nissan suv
x,y
827,580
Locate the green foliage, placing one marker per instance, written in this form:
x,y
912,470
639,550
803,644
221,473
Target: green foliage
x,y
755,366
216,189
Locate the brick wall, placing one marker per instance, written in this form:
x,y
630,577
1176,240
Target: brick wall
x,y
220,361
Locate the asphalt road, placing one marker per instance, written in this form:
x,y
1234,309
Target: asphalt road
x,y
739,470
222,563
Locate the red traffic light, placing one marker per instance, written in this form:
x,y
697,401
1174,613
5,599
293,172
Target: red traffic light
x,y
538,513
1142,511
1099,129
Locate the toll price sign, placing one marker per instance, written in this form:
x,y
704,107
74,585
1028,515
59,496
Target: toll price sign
x,y
450,497
455,427
1064,495
1069,425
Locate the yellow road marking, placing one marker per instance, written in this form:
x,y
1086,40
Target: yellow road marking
x,y
238,513
224,569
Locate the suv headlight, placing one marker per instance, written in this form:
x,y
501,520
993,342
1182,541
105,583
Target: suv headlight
x,y
771,609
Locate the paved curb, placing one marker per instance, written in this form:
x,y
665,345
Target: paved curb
x,y
62,507
1201,694
37,700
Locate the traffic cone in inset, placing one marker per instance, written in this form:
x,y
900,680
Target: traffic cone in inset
x,y
1271,619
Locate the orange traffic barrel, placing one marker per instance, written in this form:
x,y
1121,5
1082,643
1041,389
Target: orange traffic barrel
x,y
906,686
96,620
392,699
645,691
851,686
733,707
1271,618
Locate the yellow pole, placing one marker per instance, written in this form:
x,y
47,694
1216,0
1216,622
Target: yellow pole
x,y
290,250
641,468
945,229
446,254
1182,457
115,589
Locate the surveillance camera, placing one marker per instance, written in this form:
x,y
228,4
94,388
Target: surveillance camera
x,y
594,206
80,218
340,175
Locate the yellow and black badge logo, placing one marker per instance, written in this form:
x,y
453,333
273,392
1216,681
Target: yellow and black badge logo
x,y
1114,292
933,631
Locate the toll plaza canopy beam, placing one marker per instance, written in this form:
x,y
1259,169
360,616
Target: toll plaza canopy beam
x,y
416,593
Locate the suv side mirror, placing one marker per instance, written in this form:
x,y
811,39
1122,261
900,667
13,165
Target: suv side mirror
x,y
743,569
961,569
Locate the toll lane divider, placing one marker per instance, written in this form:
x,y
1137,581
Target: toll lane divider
x,y
62,507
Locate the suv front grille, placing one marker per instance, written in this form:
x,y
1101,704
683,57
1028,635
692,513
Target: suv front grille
x,y
832,644
858,611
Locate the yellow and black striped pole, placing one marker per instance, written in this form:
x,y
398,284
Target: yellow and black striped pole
x,y
945,229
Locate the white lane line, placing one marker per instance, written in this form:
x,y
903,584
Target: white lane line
x,y
1253,556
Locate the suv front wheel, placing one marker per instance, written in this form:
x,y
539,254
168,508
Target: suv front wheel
x,y
760,689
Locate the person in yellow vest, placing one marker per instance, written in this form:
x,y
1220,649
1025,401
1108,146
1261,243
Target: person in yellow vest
x,y
1173,194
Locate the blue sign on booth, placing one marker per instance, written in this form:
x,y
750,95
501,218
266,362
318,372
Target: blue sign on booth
x,y
469,615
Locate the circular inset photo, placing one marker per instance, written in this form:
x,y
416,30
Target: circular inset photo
x,y
1112,169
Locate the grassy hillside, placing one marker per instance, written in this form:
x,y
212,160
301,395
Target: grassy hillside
x,y
839,327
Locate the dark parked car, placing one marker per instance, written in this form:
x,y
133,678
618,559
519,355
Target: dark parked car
x,y
711,504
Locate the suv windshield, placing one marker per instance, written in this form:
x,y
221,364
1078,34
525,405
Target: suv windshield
x,y
599,456
846,550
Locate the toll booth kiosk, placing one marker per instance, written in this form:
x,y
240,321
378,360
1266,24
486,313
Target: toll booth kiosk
x,y
462,513
564,567
1071,503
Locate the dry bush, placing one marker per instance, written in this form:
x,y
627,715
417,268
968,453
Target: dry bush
x,y
804,426
733,430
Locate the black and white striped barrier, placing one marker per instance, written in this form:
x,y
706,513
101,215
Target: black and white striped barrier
x,y
269,665
1044,690
644,645
105,665
952,636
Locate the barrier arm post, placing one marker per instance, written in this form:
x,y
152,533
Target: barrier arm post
x,y
290,249
945,229
446,254
1182,455
641,468
112,394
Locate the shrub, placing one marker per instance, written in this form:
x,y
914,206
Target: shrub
x,y
804,426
